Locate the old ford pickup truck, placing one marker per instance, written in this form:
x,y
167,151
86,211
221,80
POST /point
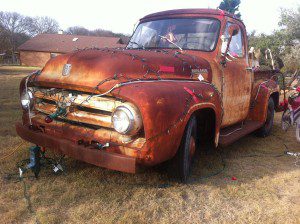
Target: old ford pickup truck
x,y
184,80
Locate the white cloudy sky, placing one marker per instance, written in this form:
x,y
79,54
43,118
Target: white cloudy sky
x,y
121,15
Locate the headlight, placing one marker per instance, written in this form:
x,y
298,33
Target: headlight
x,y
126,119
27,99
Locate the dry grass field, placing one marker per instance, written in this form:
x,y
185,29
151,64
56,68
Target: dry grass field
x,y
266,189
14,69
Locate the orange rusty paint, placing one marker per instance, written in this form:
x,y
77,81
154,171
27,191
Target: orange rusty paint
x,y
135,76
264,86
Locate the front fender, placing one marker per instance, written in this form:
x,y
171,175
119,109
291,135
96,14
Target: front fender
x,y
166,106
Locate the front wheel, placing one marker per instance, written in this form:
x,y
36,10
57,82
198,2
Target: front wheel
x,y
184,158
265,130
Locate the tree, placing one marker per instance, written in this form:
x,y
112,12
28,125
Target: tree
x,y
275,42
292,59
13,26
4,42
15,29
14,22
103,33
284,43
78,30
231,6
290,26
43,24
290,22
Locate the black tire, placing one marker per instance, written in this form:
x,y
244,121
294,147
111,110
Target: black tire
x,y
286,120
266,129
186,152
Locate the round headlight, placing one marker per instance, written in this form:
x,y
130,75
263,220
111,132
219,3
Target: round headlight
x,y
126,119
122,119
27,99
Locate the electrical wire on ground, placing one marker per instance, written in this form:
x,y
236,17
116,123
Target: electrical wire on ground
x,y
13,151
28,201
18,178
212,174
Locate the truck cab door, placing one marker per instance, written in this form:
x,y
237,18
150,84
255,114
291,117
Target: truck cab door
x,y
237,80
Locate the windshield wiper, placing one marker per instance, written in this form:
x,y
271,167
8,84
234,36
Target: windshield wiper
x,y
139,45
163,37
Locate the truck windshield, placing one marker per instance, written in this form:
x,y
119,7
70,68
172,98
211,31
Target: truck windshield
x,y
189,34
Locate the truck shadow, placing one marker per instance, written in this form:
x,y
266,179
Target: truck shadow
x,y
248,159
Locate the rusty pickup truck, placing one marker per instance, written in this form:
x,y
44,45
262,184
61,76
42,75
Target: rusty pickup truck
x,y
184,80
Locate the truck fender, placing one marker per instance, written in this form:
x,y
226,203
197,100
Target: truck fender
x,y
259,104
166,106
201,107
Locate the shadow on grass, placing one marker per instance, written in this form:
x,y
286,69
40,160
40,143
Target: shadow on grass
x,y
247,160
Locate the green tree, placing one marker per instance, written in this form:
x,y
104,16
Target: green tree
x,y
290,22
231,6
292,59
284,42
290,26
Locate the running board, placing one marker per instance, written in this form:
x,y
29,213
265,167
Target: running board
x,y
231,134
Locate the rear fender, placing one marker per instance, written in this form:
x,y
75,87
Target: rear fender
x,y
261,95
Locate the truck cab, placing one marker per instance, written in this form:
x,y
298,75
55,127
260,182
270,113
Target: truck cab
x,y
184,80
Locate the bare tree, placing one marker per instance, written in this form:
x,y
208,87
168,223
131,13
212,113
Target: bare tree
x,y
11,24
14,22
43,24
103,33
4,42
78,30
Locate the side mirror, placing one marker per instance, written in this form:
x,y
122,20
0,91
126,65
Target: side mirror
x,y
233,30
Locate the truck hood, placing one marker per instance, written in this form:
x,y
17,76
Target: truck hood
x,y
103,68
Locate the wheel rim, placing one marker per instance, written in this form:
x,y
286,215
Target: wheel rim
x,y
192,147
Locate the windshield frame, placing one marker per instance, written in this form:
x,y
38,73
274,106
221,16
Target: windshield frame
x,y
174,48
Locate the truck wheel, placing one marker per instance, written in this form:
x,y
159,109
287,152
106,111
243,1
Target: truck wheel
x,y
298,131
265,130
286,121
184,158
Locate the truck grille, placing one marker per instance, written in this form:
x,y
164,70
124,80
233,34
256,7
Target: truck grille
x,y
82,108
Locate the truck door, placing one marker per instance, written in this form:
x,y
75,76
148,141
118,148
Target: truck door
x,y
236,80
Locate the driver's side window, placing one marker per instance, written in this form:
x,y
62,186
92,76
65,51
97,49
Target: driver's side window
x,y
236,47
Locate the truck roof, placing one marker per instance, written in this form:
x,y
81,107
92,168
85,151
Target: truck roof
x,y
188,11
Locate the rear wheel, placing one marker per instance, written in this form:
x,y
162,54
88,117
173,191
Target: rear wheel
x,y
185,155
286,120
265,130
298,131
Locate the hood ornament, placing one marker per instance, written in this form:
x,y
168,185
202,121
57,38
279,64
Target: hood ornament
x,y
66,69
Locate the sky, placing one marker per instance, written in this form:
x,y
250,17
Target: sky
x,y
120,16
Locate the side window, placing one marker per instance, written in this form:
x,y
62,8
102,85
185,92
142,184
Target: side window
x,y
236,47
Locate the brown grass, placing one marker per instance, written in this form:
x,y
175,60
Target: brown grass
x,y
266,190
16,69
